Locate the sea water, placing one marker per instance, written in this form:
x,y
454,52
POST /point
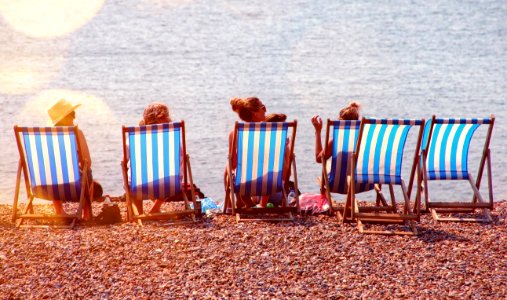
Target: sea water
x,y
400,59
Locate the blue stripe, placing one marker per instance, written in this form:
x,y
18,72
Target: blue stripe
x,y
29,161
177,156
52,164
262,136
366,154
65,171
40,158
282,155
271,163
165,158
433,147
144,162
388,154
426,135
454,150
133,162
378,153
443,147
399,157
464,158
239,161
249,167
154,152
344,159
75,162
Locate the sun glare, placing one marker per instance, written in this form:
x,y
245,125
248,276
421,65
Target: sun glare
x,y
93,109
48,18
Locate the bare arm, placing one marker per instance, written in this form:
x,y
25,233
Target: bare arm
x,y
317,124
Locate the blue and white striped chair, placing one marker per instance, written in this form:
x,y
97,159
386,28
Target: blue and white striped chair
x,y
50,163
260,152
344,137
156,166
378,160
445,155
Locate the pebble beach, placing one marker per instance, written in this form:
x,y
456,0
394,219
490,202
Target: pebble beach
x,y
313,257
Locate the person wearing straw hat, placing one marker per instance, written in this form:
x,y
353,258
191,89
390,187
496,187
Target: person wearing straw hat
x,y
62,113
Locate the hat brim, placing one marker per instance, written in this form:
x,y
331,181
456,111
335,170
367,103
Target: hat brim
x,y
57,120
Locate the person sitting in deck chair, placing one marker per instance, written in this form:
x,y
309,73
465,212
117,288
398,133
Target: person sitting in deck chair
x,y
350,112
62,113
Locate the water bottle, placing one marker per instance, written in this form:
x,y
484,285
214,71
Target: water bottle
x,y
291,197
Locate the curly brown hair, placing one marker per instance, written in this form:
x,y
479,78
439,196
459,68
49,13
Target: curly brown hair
x,y
155,113
246,107
350,112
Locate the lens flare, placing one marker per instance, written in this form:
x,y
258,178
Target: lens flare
x,y
92,112
28,64
48,18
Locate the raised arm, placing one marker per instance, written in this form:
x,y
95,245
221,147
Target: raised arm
x,y
317,124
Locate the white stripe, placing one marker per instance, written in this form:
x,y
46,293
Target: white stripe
x,y
448,150
278,163
373,149
339,152
137,149
361,154
160,160
267,146
58,162
244,159
35,161
395,146
70,164
461,146
255,162
438,149
47,167
383,152
149,161
172,159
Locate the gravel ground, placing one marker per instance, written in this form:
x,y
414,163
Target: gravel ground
x,y
312,258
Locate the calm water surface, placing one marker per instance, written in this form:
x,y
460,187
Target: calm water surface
x,y
405,59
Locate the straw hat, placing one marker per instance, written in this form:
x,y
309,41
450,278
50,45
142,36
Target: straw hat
x,y
60,110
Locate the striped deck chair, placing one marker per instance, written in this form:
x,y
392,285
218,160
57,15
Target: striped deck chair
x,y
50,161
159,168
445,156
260,150
378,160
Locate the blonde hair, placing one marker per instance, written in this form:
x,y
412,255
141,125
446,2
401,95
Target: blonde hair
x,y
155,113
246,107
276,118
350,112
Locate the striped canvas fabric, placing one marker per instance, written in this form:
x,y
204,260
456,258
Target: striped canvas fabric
x,y
447,157
381,150
344,135
260,150
155,160
52,161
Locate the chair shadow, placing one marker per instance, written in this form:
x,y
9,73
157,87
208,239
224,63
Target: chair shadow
x,y
432,235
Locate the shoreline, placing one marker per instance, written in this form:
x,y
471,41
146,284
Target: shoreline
x,y
313,257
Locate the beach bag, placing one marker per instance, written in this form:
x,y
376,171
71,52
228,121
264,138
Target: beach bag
x,y
313,203
110,213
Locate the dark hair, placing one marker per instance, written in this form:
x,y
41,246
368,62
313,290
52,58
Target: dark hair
x,y
276,118
246,107
350,112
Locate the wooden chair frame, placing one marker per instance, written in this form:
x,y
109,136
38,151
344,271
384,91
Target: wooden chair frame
x,y
230,197
344,214
28,212
135,206
458,207
407,216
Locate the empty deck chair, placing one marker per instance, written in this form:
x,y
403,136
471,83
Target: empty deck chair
x,y
344,137
260,152
156,166
50,163
378,160
445,156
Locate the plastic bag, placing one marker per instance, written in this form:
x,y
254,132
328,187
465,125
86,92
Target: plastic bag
x,y
313,203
